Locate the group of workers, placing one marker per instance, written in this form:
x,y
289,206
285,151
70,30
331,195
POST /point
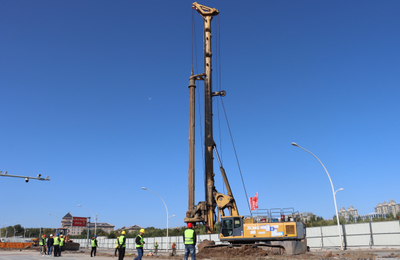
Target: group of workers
x,y
57,243
189,238
120,245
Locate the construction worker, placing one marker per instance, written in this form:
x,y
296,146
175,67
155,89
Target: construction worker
x,y
139,244
56,245
121,246
189,237
116,247
62,244
94,246
173,248
156,248
50,243
42,244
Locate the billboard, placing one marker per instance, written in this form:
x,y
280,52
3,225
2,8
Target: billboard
x,y
79,222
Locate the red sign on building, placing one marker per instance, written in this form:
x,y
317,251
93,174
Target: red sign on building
x,y
79,222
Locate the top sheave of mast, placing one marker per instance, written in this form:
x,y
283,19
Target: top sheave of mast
x,y
205,10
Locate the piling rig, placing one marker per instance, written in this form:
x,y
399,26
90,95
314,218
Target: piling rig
x,y
283,235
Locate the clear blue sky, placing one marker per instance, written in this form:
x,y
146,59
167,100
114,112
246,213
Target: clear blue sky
x,y
95,95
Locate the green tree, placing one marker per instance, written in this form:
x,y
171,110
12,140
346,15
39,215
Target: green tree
x,y
112,234
390,216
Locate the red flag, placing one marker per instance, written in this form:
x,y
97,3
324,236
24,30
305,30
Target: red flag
x,y
254,202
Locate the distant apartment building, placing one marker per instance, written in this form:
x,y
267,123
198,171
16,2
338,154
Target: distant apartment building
x,y
387,208
304,216
349,212
66,222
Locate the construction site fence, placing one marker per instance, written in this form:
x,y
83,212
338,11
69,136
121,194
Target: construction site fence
x,y
384,234
15,239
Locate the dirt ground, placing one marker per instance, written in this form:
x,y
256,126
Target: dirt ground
x,y
248,252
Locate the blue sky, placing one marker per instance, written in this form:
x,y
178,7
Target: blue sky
x,y
94,94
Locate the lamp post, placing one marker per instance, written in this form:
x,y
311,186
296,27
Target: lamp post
x,y
167,215
14,230
333,191
40,228
14,227
55,216
4,226
95,218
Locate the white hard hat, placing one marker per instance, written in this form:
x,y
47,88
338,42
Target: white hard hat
x,y
51,235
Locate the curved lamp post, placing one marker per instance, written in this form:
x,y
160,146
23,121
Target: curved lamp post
x,y
95,218
333,191
54,216
4,226
40,228
168,217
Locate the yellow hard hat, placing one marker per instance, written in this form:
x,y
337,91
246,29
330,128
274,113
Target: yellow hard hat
x,y
123,232
142,230
117,237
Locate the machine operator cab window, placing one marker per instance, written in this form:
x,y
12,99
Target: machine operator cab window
x,y
231,226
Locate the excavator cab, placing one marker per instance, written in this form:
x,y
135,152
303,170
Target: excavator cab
x,y
231,226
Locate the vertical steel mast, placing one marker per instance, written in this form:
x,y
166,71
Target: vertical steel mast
x,y
205,211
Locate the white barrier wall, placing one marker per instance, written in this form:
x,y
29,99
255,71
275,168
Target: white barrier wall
x,y
374,235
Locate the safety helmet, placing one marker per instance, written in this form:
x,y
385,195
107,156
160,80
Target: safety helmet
x,y
141,230
117,237
174,241
189,225
123,232
95,235
51,235
44,235
156,241
58,234
61,235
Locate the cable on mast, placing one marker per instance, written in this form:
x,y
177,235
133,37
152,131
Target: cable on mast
x,y
237,159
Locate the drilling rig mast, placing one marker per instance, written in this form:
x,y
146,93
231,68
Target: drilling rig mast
x,y
204,212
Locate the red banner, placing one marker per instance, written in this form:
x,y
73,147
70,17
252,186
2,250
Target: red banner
x,y
254,202
79,222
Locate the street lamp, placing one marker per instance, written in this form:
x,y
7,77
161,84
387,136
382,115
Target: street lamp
x,y
168,217
14,230
55,216
4,226
40,228
333,191
95,218
14,227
